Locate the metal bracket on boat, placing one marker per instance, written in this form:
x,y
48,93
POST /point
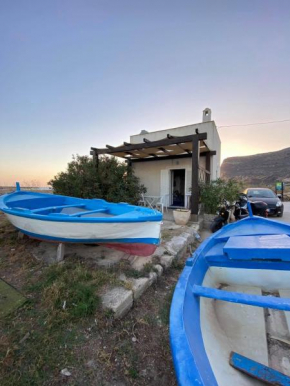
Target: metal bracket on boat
x,y
237,297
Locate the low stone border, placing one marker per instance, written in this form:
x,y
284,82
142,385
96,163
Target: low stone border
x,y
119,300
175,242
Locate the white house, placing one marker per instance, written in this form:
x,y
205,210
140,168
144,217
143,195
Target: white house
x,y
171,162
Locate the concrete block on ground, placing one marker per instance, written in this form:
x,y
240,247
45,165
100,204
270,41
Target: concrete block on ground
x,y
178,244
166,261
170,225
140,261
189,235
152,277
159,269
159,252
119,300
139,286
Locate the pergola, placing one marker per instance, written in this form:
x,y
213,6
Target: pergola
x,y
171,147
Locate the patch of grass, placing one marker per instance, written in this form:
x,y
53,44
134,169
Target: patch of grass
x,y
148,267
65,295
166,235
164,309
133,372
33,351
177,264
70,290
150,319
133,273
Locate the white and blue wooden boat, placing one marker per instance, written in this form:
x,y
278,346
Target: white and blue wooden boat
x,y
229,318
132,229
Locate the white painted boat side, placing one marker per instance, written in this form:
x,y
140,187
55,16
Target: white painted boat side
x,y
71,230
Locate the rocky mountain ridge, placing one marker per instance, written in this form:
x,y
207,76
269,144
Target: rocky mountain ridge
x,y
259,169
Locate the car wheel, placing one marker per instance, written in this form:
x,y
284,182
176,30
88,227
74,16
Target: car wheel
x,y
280,215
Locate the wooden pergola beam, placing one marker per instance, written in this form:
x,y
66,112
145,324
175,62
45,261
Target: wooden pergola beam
x,y
164,150
186,150
176,156
159,143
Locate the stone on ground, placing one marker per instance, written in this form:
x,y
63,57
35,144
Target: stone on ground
x,y
152,277
140,261
159,251
176,245
139,286
119,300
166,261
159,269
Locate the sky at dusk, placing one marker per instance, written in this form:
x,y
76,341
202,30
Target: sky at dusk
x,y
76,74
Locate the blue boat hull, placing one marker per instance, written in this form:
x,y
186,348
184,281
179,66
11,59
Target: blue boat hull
x,y
132,229
243,253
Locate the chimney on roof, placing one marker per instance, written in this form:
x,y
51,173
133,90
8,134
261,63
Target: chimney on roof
x,y
144,132
206,115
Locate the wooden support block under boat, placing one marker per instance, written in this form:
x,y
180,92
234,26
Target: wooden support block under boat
x,y
258,370
276,303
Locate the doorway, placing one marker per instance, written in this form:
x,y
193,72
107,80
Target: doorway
x,y
177,188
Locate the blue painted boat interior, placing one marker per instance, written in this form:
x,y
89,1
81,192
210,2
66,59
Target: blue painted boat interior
x,y
63,208
251,255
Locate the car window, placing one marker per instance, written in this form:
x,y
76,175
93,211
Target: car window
x,y
261,193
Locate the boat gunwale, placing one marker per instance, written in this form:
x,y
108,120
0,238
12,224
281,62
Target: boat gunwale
x,y
189,369
183,352
146,214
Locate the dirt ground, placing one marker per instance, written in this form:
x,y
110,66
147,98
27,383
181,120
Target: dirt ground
x,y
44,344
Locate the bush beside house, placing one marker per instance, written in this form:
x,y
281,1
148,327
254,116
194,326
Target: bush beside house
x,y
212,194
110,181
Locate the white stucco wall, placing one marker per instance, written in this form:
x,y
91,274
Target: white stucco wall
x,y
153,173
213,141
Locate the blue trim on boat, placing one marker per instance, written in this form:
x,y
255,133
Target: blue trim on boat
x,y
191,363
28,204
62,218
84,241
273,302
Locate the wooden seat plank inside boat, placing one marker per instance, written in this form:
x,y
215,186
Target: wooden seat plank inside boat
x,y
235,297
258,370
267,247
78,214
49,208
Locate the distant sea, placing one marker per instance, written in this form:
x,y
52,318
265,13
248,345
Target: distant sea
x,y
9,189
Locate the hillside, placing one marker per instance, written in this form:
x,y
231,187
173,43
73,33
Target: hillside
x,y
258,169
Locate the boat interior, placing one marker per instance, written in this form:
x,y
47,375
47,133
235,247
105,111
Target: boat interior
x,y
244,302
62,206
259,333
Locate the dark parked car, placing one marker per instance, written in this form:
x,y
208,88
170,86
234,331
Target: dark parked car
x,y
275,205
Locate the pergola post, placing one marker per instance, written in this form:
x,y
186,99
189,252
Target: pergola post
x,y
95,155
208,167
129,166
194,180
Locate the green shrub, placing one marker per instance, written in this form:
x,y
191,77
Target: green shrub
x,y
110,181
212,194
